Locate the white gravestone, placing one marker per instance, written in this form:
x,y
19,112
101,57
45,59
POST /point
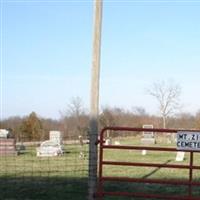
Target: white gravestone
x,y
81,154
144,152
117,143
148,136
180,156
4,133
55,136
108,141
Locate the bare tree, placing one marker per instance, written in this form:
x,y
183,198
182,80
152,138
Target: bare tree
x,y
74,118
167,95
106,118
75,107
137,110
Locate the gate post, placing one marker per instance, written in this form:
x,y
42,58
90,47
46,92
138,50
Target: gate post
x,y
94,101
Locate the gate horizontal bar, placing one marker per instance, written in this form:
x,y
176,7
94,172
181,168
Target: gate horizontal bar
x,y
155,196
138,148
149,165
126,147
160,130
154,181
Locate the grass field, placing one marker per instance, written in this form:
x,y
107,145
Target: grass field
x,y
159,157
29,177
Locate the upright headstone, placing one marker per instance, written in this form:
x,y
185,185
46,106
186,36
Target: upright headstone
x,y
180,156
148,136
4,133
7,147
55,136
81,140
81,154
117,143
108,141
144,152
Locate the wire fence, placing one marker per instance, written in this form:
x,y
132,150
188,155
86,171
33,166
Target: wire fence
x,y
43,169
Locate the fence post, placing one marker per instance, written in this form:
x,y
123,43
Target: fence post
x,y
94,101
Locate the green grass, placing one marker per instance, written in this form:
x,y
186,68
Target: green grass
x,y
65,177
159,157
40,178
27,164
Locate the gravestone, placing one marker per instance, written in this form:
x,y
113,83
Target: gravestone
x,y
51,147
55,136
7,146
4,133
180,156
144,152
81,154
117,143
108,141
148,136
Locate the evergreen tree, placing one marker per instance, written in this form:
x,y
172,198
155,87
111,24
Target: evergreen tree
x,y
32,128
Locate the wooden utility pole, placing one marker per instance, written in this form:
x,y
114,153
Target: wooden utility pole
x,y
94,101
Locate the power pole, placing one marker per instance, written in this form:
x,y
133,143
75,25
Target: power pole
x,y
94,101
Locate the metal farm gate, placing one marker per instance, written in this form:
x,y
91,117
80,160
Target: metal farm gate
x,y
189,183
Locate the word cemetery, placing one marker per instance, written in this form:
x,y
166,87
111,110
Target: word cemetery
x,y
188,140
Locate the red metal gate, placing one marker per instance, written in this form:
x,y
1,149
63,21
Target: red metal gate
x,y
189,183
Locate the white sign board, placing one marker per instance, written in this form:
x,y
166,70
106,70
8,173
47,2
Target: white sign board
x,y
188,140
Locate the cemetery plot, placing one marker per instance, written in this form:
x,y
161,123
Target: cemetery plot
x,y
44,177
51,147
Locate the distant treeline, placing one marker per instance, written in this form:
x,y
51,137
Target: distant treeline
x,y
76,122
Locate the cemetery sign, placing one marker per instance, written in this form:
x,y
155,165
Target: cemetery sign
x,y
188,140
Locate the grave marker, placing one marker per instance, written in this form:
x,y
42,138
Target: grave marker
x,y
180,156
148,136
55,136
4,133
7,147
81,154
144,152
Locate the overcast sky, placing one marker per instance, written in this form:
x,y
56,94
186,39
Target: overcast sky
x,y
46,53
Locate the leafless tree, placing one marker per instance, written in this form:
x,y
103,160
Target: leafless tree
x,y
137,110
75,108
74,118
167,95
